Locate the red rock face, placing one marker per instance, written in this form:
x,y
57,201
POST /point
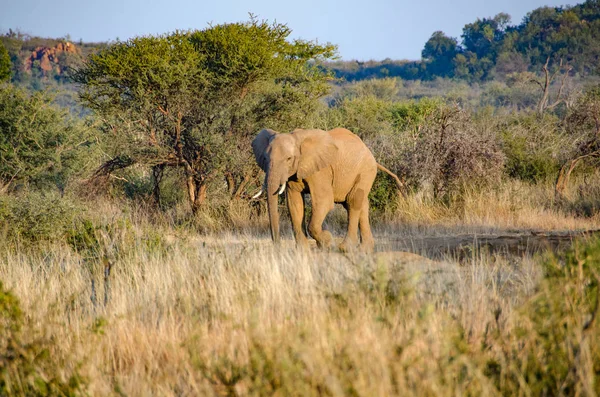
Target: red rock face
x,y
48,56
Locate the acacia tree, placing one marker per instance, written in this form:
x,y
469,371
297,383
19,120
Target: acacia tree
x,y
40,145
193,99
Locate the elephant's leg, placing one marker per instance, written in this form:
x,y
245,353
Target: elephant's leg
x,y
321,205
354,208
367,243
295,202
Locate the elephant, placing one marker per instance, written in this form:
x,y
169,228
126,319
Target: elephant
x,y
333,167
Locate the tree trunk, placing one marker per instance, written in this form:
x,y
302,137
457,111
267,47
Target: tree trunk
x,y
236,188
230,183
242,186
157,174
196,193
200,198
564,175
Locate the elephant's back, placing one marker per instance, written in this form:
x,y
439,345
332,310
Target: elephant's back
x,y
355,163
351,146
342,134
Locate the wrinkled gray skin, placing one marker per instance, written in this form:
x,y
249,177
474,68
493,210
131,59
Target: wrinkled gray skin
x,y
333,166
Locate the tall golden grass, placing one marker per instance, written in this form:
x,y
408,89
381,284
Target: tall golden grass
x,y
224,313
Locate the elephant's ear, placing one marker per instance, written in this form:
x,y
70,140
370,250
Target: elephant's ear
x,y
260,145
317,151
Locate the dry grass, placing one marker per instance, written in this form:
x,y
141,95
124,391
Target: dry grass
x,y
239,317
511,205
228,314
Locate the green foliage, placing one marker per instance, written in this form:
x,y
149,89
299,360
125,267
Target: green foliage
x,y
410,115
27,365
40,145
384,194
83,238
492,46
100,240
35,217
357,71
558,328
482,36
192,99
438,54
387,89
366,116
534,147
523,164
5,64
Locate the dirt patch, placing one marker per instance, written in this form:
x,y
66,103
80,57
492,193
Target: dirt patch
x,y
516,244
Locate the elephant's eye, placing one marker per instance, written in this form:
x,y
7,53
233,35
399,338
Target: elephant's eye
x,y
289,159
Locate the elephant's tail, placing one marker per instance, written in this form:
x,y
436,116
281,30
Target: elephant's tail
x,y
399,183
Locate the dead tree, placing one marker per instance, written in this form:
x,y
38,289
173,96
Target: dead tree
x,y
544,102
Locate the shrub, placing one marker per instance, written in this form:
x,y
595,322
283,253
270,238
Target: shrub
x,y
410,115
366,116
40,145
449,150
36,217
28,367
533,147
384,194
555,348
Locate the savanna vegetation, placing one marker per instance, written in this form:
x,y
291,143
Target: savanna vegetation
x,y
134,260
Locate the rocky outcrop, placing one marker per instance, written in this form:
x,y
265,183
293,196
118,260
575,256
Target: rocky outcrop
x,y
48,57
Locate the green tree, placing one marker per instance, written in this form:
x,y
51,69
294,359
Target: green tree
x,y
483,36
40,145
438,53
5,64
481,41
194,99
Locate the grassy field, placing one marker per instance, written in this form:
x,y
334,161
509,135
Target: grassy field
x,y
225,313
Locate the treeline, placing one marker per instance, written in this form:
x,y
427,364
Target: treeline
x,y
170,119
488,49
492,47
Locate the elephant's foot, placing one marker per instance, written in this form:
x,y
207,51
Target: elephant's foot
x,y
324,240
367,246
347,245
302,243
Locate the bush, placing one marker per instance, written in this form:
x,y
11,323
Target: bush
x,y
555,348
450,150
533,147
36,217
40,145
5,64
28,367
410,115
366,116
384,194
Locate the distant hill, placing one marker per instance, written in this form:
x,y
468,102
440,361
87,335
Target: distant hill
x,y
36,58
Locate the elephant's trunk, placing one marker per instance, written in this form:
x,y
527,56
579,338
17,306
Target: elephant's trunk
x,y
274,186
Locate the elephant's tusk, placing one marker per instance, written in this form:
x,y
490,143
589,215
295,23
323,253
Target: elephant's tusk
x,y
257,195
282,188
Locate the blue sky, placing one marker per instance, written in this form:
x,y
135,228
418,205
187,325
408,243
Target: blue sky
x,y
363,30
